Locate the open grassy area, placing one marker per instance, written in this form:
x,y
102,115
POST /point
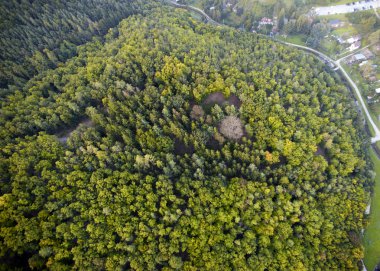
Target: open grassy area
x,y
195,3
341,17
375,108
372,233
348,30
297,39
329,46
340,2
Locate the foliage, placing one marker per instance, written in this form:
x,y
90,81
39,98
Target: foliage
x,y
119,195
294,14
38,35
365,20
231,127
318,32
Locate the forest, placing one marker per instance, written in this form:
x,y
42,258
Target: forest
x,y
170,144
37,35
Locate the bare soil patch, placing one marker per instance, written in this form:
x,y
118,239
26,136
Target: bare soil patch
x,y
234,100
218,98
181,148
65,134
322,151
213,144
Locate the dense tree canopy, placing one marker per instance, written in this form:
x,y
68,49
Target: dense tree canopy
x,y
37,35
152,182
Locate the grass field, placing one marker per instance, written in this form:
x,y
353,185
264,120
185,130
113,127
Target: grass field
x,y
328,46
347,30
340,2
297,39
372,233
341,17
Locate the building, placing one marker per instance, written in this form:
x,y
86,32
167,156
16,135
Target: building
x,y
372,79
339,39
353,39
266,21
354,46
359,58
336,23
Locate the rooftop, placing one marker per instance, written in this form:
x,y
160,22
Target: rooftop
x,y
359,57
336,21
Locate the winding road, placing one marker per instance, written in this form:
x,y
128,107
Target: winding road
x,y
204,14
338,65
332,63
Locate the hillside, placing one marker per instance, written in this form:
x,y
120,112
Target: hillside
x,y
38,35
191,147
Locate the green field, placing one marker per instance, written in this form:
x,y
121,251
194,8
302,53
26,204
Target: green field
x,y
296,39
341,17
372,233
340,2
348,30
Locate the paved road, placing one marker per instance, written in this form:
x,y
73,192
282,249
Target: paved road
x,y
340,9
374,126
355,52
209,19
324,58
332,63
354,86
321,55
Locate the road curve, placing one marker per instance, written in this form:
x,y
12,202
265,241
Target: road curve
x,y
352,83
374,126
324,57
321,55
204,14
